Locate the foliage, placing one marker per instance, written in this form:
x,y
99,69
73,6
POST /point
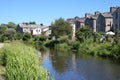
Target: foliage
x,y
75,45
61,28
83,33
3,27
11,25
7,31
43,38
22,63
62,47
18,36
32,22
26,36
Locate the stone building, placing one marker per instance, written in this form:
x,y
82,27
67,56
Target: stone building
x,y
79,22
91,20
104,22
116,19
71,21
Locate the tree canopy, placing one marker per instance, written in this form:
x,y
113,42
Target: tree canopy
x,y
61,28
11,25
83,33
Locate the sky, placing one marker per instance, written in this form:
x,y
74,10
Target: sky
x,y
47,11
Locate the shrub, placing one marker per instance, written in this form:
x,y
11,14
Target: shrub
x,y
76,45
62,47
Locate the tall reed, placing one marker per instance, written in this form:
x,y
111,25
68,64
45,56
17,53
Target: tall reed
x,y
22,63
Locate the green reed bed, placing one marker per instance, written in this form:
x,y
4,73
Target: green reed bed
x,y
22,63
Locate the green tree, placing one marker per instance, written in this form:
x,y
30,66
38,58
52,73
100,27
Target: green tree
x,y
83,33
18,36
3,27
11,25
32,22
9,33
26,36
61,28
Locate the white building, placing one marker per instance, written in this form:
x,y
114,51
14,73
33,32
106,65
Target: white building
x,y
33,29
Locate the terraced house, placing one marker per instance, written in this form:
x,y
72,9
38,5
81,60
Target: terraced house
x,y
91,20
104,22
116,19
99,22
33,29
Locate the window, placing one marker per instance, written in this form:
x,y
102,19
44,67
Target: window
x,y
116,16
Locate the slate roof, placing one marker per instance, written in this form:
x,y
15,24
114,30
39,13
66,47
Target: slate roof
x,y
71,20
82,20
94,17
107,15
33,26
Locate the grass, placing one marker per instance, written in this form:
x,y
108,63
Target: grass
x,y
21,62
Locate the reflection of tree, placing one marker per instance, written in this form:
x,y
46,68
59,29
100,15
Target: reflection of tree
x,y
59,60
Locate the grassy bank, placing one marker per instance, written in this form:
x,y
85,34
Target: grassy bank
x,y
21,62
105,49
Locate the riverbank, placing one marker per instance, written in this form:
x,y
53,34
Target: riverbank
x,y
104,50
21,62
1,45
1,67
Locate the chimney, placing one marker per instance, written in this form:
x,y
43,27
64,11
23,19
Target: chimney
x,y
41,24
112,9
88,15
97,13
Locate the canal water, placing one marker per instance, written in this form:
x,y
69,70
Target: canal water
x,y
71,66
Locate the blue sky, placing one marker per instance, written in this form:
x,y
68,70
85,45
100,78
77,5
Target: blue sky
x,y
46,11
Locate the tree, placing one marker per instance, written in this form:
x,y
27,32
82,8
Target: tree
x,y
26,36
18,36
61,28
9,34
83,33
3,27
32,22
11,25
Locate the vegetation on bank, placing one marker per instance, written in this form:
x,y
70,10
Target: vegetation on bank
x,y
21,62
86,42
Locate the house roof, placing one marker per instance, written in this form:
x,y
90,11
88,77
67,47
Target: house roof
x,y
94,17
71,20
33,26
82,20
107,15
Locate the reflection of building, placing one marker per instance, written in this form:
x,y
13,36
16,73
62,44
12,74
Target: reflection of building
x,y
116,19
33,29
74,65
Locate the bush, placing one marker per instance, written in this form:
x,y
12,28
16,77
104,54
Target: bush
x,y
26,36
76,45
22,63
62,47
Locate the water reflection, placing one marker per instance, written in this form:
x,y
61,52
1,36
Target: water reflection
x,y
69,66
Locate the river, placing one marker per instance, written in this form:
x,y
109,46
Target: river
x,y
71,66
